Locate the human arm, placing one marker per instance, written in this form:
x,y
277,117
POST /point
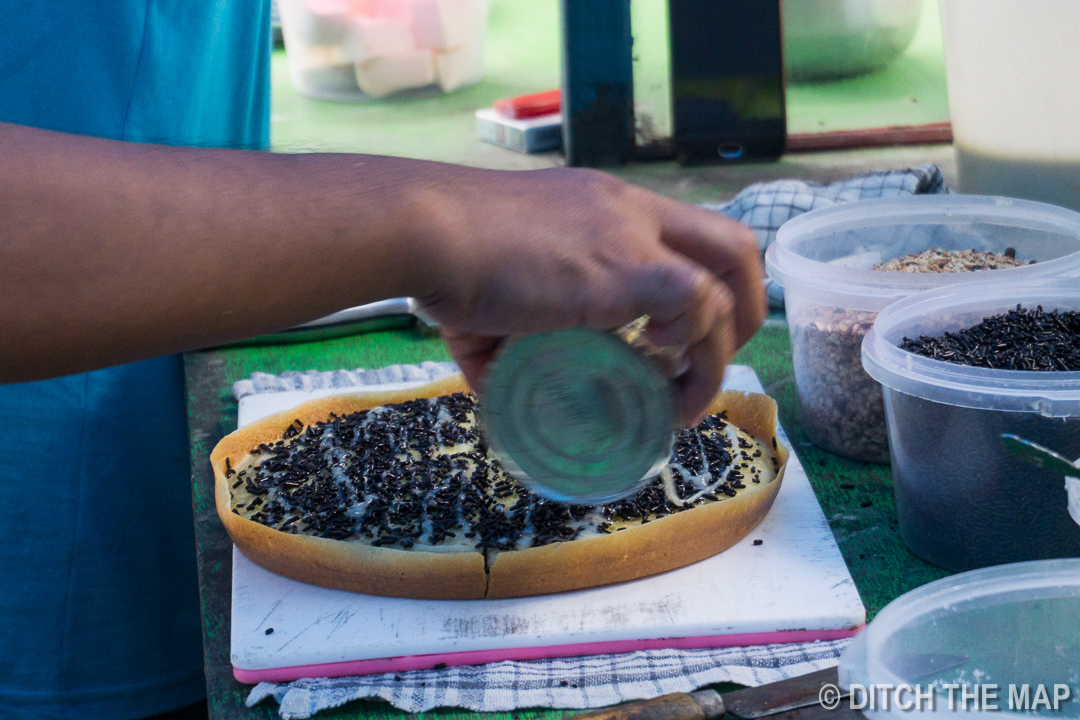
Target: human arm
x,y
112,252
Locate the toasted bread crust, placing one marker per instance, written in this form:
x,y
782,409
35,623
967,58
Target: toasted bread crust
x,y
641,550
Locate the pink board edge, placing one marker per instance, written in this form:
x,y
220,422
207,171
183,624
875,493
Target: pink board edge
x,y
478,657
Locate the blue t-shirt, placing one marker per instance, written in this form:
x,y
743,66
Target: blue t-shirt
x,y
99,613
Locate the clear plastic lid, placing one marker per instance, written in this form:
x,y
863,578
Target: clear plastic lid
x,y
833,250
1053,394
990,631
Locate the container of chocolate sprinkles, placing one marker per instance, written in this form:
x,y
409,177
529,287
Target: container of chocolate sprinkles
x,y
841,265
578,416
960,366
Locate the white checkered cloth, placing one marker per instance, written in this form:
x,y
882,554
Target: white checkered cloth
x,y
584,682
315,380
579,683
767,206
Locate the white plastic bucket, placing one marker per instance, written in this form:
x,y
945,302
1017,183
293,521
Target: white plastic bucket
x,y
1013,96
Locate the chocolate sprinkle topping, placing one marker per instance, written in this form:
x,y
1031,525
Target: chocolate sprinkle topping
x,y
1017,340
418,473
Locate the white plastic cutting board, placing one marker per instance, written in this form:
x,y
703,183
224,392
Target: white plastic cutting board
x,y
794,581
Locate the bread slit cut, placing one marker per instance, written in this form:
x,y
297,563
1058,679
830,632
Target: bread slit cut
x,y
395,493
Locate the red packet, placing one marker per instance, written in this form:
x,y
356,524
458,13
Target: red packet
x,y
526,106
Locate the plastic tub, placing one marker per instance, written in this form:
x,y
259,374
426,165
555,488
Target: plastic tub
x,y
823,259
1013,96
1000,628
963,501
359,49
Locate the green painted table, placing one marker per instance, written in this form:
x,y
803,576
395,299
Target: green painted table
x,y
522,55
856,497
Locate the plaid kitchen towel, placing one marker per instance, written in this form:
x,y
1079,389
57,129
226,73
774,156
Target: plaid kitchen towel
x,y
578,683
767,206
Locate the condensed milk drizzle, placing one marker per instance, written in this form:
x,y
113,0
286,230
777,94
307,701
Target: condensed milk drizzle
x,y
418,475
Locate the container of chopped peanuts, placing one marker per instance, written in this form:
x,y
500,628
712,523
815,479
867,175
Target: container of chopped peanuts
x,y
840,266
961,366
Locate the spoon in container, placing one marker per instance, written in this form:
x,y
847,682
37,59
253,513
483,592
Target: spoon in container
x,y
1039,456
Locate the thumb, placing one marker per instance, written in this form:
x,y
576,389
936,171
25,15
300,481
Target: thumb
x,y
472,353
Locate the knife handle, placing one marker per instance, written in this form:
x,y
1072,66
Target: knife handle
x,y
702,705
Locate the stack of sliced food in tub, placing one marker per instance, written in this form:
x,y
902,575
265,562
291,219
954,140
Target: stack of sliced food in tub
x,y
922,329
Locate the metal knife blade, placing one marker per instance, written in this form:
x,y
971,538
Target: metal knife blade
x,y
819,712
803,691
778,697
382,315
382,308
793,699
748,703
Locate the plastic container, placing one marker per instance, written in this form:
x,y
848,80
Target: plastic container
x,y
1013,96
994,631
823,259
963,501
360,49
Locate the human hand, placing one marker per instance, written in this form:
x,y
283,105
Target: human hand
x,y
517,253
